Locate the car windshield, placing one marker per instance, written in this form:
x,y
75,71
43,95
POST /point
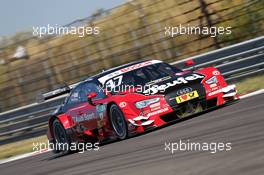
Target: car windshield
x,y
146,75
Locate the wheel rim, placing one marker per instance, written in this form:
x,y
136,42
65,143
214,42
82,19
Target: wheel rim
x,y
118,123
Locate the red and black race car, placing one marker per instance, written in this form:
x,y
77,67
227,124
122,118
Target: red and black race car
x,y
134,98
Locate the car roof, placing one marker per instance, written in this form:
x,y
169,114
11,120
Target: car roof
x,y
94,78
113,70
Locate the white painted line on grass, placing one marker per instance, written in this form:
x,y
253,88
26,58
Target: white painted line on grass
x,y
261,91
22,156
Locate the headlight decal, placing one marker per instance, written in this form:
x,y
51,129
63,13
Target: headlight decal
x,y
212,80
145,103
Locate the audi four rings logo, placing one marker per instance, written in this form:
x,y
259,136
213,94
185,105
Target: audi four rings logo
x,y
184,91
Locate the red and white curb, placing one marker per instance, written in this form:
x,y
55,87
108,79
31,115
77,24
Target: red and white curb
x,y
261,91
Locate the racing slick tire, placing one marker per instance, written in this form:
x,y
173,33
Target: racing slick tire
x,y
118,122
62,141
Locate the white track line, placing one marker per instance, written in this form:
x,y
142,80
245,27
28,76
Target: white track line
x,y
22,156
261,91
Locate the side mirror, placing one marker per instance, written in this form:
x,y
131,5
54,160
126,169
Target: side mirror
x,y
189,63
90,97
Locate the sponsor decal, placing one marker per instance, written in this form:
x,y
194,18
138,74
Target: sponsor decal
x,y
131,127
100,123
213,85
127,69
187,96
216,88
159,80
100,108
84,117
101,116
181,80
122,104
155,105
136,66
216,72
184,91
157,112
213,89
154,109
215,92
145,112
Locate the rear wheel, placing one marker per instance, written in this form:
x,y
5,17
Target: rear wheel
x,y
118,122
62,142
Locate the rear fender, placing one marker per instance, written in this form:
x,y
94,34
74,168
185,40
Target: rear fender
x,y
66,121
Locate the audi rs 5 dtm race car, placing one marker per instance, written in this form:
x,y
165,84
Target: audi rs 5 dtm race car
x,y
133,98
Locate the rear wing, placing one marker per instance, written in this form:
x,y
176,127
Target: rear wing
x,y
55,93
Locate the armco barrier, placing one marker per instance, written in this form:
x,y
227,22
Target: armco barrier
x,y
235,62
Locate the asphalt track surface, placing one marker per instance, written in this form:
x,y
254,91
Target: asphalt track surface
x,y
242,124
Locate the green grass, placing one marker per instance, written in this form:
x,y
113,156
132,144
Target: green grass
x,y
250,84
20,147
25,146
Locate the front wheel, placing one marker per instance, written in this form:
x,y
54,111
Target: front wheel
x,y
118,122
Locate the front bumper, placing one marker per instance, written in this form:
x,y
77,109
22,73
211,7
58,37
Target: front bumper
x,y
168,113
229,91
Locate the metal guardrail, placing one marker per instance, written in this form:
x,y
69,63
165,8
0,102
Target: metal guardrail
x,y
235,62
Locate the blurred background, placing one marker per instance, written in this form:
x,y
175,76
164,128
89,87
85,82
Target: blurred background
x,y
131,31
